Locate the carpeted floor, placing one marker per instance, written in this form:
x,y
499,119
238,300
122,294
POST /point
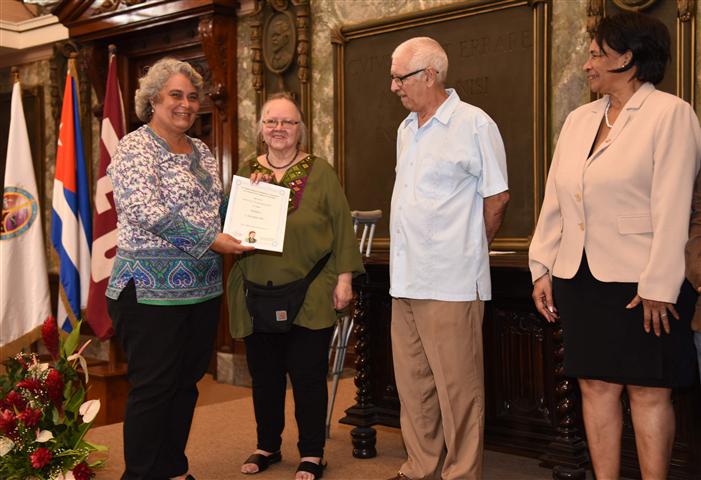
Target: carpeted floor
x,y
223,435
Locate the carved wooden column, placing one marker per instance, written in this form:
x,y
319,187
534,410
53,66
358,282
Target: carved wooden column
x,y
361,414
567,455
218,35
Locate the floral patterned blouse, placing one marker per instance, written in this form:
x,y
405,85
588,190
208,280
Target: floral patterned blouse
x,y
168,214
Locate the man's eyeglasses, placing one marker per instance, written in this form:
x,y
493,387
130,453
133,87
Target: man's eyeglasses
x,y
270,123
400,80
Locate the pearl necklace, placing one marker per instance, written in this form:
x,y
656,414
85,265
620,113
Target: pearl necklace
x,y
606,114
294,157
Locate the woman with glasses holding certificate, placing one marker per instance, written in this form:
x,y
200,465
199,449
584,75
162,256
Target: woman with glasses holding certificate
x,y
320,253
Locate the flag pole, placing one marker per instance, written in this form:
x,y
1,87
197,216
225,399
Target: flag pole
x,y
15,74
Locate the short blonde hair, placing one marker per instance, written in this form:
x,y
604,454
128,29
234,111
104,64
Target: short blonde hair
x,y
424,52
289,98
155,79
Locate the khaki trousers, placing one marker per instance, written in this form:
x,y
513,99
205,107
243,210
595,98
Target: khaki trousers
x,y
439,370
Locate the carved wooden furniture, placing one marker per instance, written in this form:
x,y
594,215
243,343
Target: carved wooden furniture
x,y
531,408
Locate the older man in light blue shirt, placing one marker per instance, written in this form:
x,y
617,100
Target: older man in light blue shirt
x,y
449,198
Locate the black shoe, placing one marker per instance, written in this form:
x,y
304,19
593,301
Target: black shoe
x,y
189,477
316,469
263,461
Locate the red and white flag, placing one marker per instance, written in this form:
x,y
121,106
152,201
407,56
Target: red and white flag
x,y
104,245
24,283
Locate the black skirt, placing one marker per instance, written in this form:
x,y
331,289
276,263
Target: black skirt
x,y
604,341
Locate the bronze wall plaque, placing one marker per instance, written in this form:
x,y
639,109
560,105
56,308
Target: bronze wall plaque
x,y
498,59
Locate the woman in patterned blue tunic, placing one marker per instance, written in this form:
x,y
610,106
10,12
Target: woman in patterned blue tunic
x,y
166,283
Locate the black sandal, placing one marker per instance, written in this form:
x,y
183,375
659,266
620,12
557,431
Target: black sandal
x,y
316,469
263,461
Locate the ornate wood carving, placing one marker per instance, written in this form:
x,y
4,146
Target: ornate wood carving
x,y
303,43
217,41
685,10
257,57
112,5
595,11
280,52
567,455
363,435
634,5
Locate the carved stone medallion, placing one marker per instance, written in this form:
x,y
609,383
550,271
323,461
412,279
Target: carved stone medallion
x,y
633,5
279,42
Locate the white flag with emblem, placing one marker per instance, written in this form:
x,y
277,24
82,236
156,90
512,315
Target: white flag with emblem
x,y
24,284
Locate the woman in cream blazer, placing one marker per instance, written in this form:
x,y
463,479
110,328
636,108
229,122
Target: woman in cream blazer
x,y
607,255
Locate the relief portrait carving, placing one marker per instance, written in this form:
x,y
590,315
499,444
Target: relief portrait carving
x,y
634,5
279,42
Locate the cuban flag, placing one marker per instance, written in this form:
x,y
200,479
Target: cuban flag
x,y
71,231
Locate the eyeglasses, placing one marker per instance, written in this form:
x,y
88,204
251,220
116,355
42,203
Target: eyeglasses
x,y
400,80
286,124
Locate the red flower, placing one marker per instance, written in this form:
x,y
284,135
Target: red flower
x,y
40,457
30,417
8,422
31,384
13,400
54,386
82,472
49,332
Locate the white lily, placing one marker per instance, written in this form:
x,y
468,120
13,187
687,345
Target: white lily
x,y
89,410
83,363
44,436
5,446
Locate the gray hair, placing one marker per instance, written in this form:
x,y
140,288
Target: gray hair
x,y
289,98
155,79
424,52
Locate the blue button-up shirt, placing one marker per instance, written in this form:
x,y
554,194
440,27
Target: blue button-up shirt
x,y
445,169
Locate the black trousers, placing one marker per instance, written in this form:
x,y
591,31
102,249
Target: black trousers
x,y
303,354
168,350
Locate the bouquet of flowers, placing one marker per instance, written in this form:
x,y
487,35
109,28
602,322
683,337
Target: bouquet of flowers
x,y
43,413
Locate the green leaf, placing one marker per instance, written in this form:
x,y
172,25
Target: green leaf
x,y
71,342
95,447
55,416
76,400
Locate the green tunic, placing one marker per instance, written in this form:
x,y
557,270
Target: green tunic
x,y
319,224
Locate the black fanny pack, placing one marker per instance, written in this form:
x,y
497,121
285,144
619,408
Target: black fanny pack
x,y
273,308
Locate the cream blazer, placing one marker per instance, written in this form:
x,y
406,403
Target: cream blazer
x,y
628,203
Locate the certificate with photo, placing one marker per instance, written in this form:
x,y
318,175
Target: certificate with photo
x,y
257,214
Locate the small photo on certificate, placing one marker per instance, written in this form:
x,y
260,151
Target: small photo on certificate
x,y
257,214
